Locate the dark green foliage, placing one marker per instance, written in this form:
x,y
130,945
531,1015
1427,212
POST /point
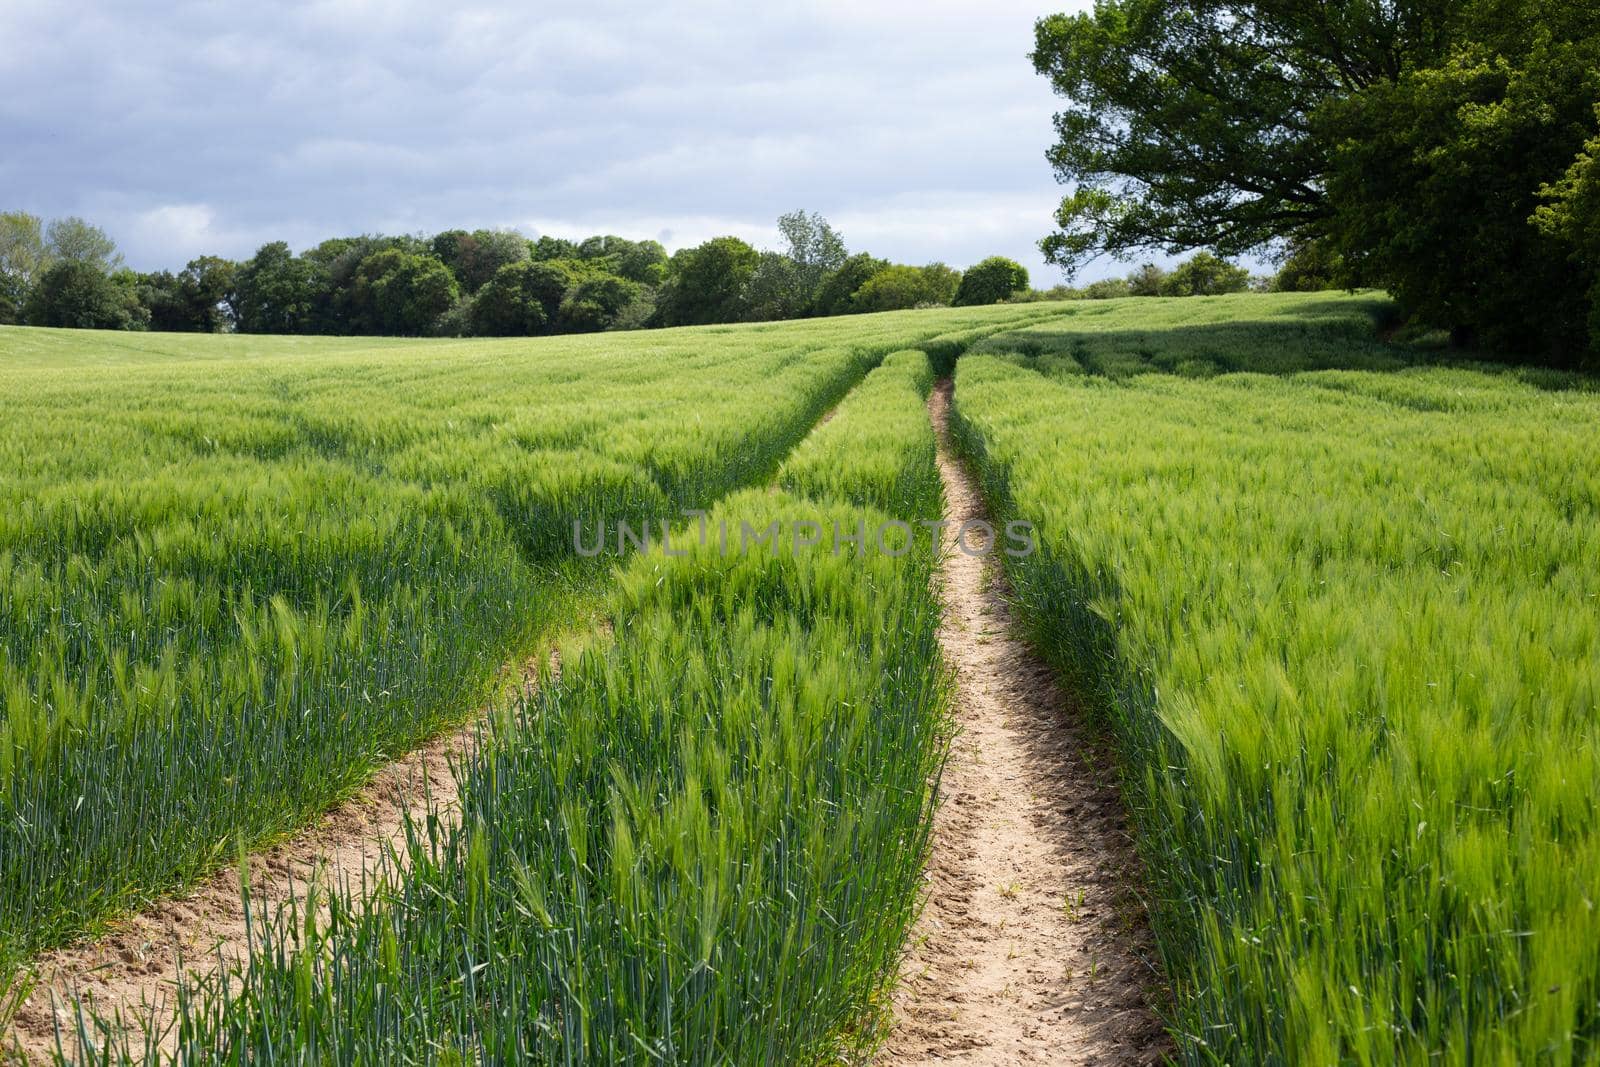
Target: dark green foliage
x,y
595,302
839,287
1203,274
159,293
341,307
510,305
707,283
1408,142
644,262
1108,289
400,293
786,284
80,295
207,284
1311,266
402,286
83,294
1148,279
192,301
13,295
1571,215
776,290
1438,174
1196,125
276,291
456,283
548,282
991,281
457,320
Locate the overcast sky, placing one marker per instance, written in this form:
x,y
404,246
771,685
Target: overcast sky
x,y
919,129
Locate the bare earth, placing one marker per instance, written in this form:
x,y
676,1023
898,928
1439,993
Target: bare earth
x,y
1032,946
138,963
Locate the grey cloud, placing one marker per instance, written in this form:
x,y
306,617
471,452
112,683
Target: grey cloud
x,y
920,129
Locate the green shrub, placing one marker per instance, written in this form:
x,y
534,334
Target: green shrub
x,y
991,281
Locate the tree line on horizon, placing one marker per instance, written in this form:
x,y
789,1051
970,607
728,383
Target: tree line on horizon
x,y
482,283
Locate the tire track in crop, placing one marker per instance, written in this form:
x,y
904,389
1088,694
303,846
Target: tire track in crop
x,y
197,932
1032,946
137,965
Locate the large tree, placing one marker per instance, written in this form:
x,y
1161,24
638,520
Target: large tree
x,y
275,291
596,302
1410,138
708,283
400,293
644,262
1203,274
814,246
195,300
76,241
836,294
548,248
787,283
13,297
80,295
777,289
521,299
23,253
991,281
1571,215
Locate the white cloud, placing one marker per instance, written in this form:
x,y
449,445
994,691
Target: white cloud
x,y
189,229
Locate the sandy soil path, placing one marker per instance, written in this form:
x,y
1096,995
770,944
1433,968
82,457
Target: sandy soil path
x,y
1032,946
137,964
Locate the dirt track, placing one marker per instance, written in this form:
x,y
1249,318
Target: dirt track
x,y
1032,946
137,965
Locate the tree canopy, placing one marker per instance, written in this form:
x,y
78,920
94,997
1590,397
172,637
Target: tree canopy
x,y
1410,141
23,255
991,281
898,286
400,293
475,257
75,241
707,283
276,291
78,294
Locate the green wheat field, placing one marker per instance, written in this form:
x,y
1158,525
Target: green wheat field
x,y
1334,601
